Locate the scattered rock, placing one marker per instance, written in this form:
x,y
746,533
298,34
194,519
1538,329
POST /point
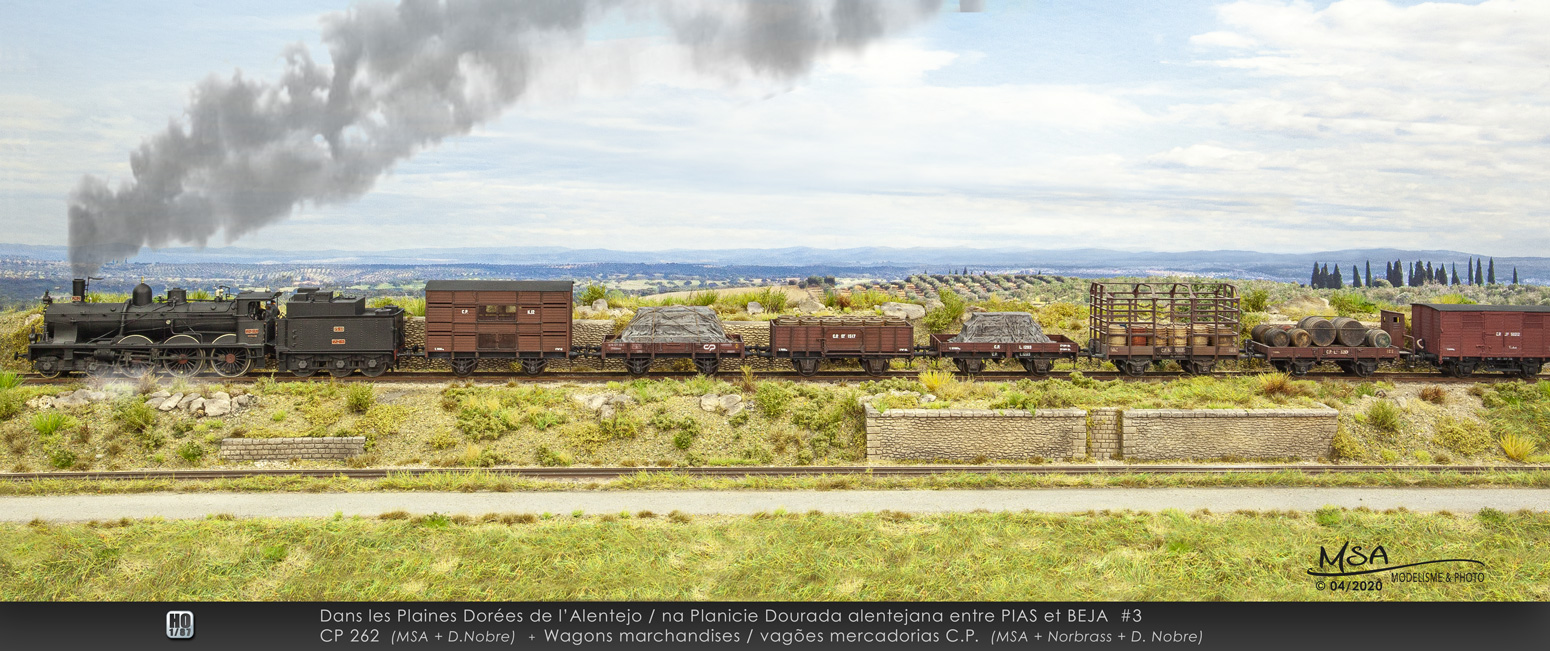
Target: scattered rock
x,y
710,402
606,411
933,304
1307,304
735,409
808,305
171,402
220,395
620,399
242,400
592,401
96,396
196,405
183,404
927,398
755,308
600,305
160,394
155,402
217,407
730,400
909,311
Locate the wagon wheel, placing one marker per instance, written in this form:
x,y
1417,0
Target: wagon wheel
x,y
707,365
1197,366
1346,366
1300,369
1364,368
230,362
969,366
637,366
47,367
182,362
875,366
1281,365
1529,370
375,366
133,364
534,366
805,367
1039,367
1133,368
464,367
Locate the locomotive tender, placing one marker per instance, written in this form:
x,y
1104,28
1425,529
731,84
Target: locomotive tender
x,y
1135,325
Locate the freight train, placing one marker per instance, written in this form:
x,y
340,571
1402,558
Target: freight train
x,y
1135,326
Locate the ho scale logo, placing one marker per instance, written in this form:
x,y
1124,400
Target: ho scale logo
x,y
180,624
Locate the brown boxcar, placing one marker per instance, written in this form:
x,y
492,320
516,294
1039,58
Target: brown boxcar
x,y
873,340
1462,339
1135,325
526,320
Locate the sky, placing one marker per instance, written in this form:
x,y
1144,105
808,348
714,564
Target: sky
x,y
1271,125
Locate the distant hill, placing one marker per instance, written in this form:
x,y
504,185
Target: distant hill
x,y
1293,267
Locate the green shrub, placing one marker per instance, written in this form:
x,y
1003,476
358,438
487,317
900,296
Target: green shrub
x,y
1346,447
945,317
484,419
1384,416
683,439
592,294
48,424
475,456
543,456
360,397
10,405
61,458
1255,300
9,380
1462,437
442,440
191,452
133,415
1518,447
772,398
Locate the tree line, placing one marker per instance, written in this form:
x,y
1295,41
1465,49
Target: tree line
x,y
1409,274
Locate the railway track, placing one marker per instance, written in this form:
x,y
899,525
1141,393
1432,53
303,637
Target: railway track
x,y
423,377
607,473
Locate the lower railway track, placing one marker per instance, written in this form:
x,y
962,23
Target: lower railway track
x,y
738,472
422,377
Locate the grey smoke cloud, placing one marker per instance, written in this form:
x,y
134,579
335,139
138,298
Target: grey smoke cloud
x,y
402,78
971,6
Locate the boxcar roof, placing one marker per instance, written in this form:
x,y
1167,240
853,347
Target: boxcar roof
x,y
1449,307
500,286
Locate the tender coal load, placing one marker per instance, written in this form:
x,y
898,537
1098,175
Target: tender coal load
x,y
1349,331
680,324
1319,329
1002,328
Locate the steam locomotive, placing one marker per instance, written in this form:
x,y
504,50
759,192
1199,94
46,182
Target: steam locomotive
x,y
225,335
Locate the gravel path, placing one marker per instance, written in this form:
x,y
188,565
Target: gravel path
x,y
295,505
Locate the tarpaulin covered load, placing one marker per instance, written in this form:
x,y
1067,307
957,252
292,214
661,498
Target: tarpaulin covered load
x,y
679,324
1002,328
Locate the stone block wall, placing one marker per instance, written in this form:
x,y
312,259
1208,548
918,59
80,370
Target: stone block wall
x,y
1157,434
285,449
1103,433
964,434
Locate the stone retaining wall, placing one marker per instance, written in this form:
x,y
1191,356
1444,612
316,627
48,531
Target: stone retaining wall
x,y
1153,434
285,449
1103,433
964,434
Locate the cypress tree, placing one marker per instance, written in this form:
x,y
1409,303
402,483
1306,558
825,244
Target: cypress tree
x,y
1369,273
1335,280
1429,277
1479,273
1455,273
1442,274
1469,273
1313,281
1490,278
1514,275
1399,275
1356,277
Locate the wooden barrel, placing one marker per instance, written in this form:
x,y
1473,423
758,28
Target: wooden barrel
x,y
1116,335
1349,331
1200,335
1299,337
1273,337
1377,339
1258,332
1319,329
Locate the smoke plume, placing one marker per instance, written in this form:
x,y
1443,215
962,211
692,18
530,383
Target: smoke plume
x,y
402,78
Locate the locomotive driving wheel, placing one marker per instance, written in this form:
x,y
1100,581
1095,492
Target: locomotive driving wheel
x,y
340,368
707,366
133,364
47,367
182,362
230,362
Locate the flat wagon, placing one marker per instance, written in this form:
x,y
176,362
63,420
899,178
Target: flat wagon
x,y
673,332
528,321
1271,343
1135,325
873,341
1462,339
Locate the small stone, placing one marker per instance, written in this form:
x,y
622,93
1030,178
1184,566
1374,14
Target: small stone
x,y
620,399
188,399
600,305
155,402
242,400
171,403
755,308
729,401
909,311
220,395
160,394
96,396
710,402
216,407
735,409
606,411
196,404
927,398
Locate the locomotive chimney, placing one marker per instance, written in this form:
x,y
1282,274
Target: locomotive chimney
x,y
78,290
